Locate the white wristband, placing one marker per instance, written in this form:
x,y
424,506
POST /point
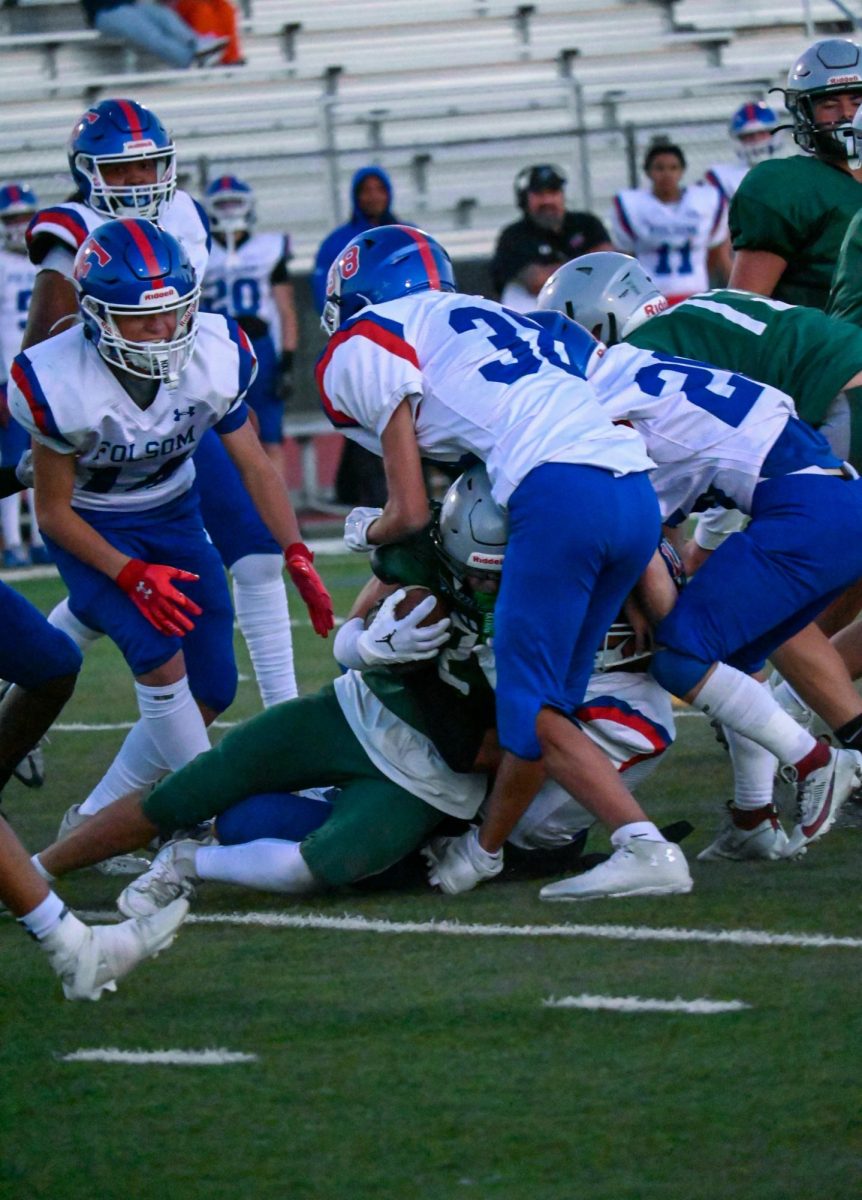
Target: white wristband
x,y
346,646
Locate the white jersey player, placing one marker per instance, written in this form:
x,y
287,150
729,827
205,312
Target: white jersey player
x,y
413,369
675,232
116,410
753,128
17,205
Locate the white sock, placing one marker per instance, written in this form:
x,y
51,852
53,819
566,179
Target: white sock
x,y
740,702
62,617
260,603
170,733
10,521
636,829
44,917
753,770
40,870
269,865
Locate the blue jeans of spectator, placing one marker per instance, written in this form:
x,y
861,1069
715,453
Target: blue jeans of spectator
x,y
153,28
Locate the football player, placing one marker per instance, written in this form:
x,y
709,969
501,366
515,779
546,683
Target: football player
x,y
678,233
414,369
727,429
789,215
247,278
116,407
753,129
18,203
422,731
123,161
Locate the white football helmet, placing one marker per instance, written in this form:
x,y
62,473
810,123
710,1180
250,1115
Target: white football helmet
x,y
610,294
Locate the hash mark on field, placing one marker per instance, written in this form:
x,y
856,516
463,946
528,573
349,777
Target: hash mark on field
x,y
631,1004
622,933
179,1058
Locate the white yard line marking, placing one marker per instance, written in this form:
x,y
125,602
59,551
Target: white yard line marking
x,y
619,933
96,727
631,1004
179,1058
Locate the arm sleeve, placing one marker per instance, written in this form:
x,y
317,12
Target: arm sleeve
x,y
756,223
622,234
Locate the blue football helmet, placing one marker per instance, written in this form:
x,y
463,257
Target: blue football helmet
x,y
18,204
229,204
383,264
131,268
122,131
754,117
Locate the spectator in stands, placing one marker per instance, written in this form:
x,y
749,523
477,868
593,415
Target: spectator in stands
x,y
547,235
156,29
789,215
217,18
360,479
677,233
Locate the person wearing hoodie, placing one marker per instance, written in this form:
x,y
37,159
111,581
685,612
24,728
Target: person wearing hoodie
x,y
359,479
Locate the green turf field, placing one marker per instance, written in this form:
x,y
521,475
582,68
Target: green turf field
x,y
396,1060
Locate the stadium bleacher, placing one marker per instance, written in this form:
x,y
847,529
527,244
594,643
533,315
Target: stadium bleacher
x,y
330,86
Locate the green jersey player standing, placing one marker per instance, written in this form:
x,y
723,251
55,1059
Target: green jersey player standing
x,y
789,216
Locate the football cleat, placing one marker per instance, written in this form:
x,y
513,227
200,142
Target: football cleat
x,y
639,868
765,840
120,864
31,769
821,794
170,877
90,958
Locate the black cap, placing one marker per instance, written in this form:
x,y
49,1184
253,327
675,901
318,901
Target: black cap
x,y
543,177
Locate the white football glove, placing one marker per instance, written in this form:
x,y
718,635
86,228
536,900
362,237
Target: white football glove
x,y
457,864
356,526
390,640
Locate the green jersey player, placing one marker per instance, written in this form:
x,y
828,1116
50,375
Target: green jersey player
x,y
789,216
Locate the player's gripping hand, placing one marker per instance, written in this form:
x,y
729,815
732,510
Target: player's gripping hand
x,y
389,639
310,586
356,525
149,587
457,864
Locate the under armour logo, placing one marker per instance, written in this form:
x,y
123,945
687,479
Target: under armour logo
x,y
143,591
179,413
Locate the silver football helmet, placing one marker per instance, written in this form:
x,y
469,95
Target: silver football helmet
x,y
828,67
618,648
472,529
608,293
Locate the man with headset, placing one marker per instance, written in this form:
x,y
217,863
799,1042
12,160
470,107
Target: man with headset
x,y
530,250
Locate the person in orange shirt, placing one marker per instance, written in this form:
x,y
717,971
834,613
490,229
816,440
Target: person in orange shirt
x,y
215,17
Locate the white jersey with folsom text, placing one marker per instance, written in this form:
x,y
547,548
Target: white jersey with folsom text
x,y
68,398
480,380
671,241
69,225
17,274
237,283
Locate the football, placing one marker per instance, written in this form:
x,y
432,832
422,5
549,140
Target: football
x,y
415,595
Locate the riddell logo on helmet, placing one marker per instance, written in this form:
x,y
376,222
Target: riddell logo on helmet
x,y
655,307
844,79
489,561
135,149
159,294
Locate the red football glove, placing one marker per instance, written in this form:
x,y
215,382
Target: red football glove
x,y
149,587
310,586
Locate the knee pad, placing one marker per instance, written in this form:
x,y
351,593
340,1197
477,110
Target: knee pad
x,y
676,672
257,569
